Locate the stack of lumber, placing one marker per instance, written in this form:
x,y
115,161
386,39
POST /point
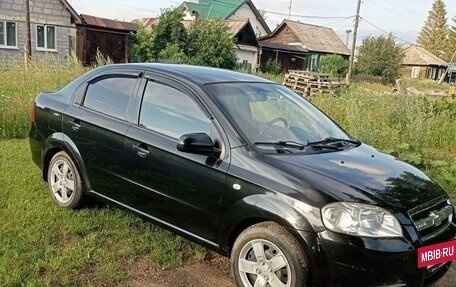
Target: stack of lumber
x,y
308,83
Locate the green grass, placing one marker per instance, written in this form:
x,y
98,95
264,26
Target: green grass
x,y
425,84
19,86
43,245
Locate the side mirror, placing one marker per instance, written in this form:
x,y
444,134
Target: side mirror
x,y
197,143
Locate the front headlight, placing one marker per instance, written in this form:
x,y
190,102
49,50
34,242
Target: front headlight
x,y
360,220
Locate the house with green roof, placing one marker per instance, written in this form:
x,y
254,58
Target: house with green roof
x,y
227,10
242,18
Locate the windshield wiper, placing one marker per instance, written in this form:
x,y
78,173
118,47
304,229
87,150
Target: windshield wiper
x,y
329,140
279,145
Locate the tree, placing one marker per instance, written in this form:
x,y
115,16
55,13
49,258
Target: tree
x,y
272,66
211,44
434,34
334,65
172,54
452,42
380,56
141,45
207,43
169,30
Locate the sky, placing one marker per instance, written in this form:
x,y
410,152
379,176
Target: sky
x,y
403,18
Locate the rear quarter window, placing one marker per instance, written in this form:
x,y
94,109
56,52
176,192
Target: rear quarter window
x,y
110,95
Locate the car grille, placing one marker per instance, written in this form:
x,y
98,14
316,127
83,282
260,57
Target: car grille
x,y
432,218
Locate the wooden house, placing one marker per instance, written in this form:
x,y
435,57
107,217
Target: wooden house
x,y
420,63
300,46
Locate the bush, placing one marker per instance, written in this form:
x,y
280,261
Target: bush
x,y
334,65
211,44
272,66
206,43
380,56
172,54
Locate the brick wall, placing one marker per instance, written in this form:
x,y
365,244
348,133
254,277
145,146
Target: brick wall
x,y
50,12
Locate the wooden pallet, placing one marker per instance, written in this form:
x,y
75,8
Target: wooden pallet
x,y
308,83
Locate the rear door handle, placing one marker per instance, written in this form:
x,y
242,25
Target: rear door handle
x,y
75,125
141,149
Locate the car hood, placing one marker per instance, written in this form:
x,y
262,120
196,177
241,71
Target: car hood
x,y
366,172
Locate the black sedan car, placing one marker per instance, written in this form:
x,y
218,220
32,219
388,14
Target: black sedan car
x,y
245,167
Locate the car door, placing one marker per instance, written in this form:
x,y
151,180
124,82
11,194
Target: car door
x,y
97,124
180,189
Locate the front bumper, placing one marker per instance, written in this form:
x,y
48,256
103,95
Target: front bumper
x,y
342,260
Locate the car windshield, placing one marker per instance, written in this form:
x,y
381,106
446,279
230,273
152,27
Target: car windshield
x,y
270,113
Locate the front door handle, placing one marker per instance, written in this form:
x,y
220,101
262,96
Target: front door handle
x,y
75,125
141,149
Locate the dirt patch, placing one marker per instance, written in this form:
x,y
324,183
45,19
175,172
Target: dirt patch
x,y
209,273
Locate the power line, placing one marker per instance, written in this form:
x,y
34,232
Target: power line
x,y
308,16
404,8
338,21
384,31
395,12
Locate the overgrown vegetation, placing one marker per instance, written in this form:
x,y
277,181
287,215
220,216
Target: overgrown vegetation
x,y
272,66
380,56
334,65
205,42
19,86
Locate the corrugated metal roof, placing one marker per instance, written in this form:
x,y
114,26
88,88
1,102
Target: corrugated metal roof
x,y
108,23
419,56
312,37
208,9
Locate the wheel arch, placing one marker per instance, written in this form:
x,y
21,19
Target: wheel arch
x,y
60,142
256,209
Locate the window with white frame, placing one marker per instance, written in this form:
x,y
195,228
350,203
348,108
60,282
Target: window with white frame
x,y
46,38
415,72
8,34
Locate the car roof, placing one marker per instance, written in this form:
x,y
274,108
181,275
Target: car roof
x,y
197,74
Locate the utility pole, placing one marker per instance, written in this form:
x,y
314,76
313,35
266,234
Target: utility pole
x,y
289,10
348,36
355,34
28,42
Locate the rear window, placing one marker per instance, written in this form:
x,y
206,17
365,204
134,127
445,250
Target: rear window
x,y
110,96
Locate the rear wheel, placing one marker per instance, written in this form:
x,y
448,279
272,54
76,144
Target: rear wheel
x,y
266,255
64,181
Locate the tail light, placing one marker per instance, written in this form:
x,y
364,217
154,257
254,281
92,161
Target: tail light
x,y
32,112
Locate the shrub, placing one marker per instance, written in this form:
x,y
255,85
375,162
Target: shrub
x,y
272,66
211,44
206,43
334,65
380,56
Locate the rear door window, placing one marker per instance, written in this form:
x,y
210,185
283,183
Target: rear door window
x,y
110,95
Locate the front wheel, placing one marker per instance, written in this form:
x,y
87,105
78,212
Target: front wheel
x,y
266,255
64,181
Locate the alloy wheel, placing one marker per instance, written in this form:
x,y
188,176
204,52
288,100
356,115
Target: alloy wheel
x,y
62,181
263,264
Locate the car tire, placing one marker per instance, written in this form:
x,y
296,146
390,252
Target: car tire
x,y
267,252
64,181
